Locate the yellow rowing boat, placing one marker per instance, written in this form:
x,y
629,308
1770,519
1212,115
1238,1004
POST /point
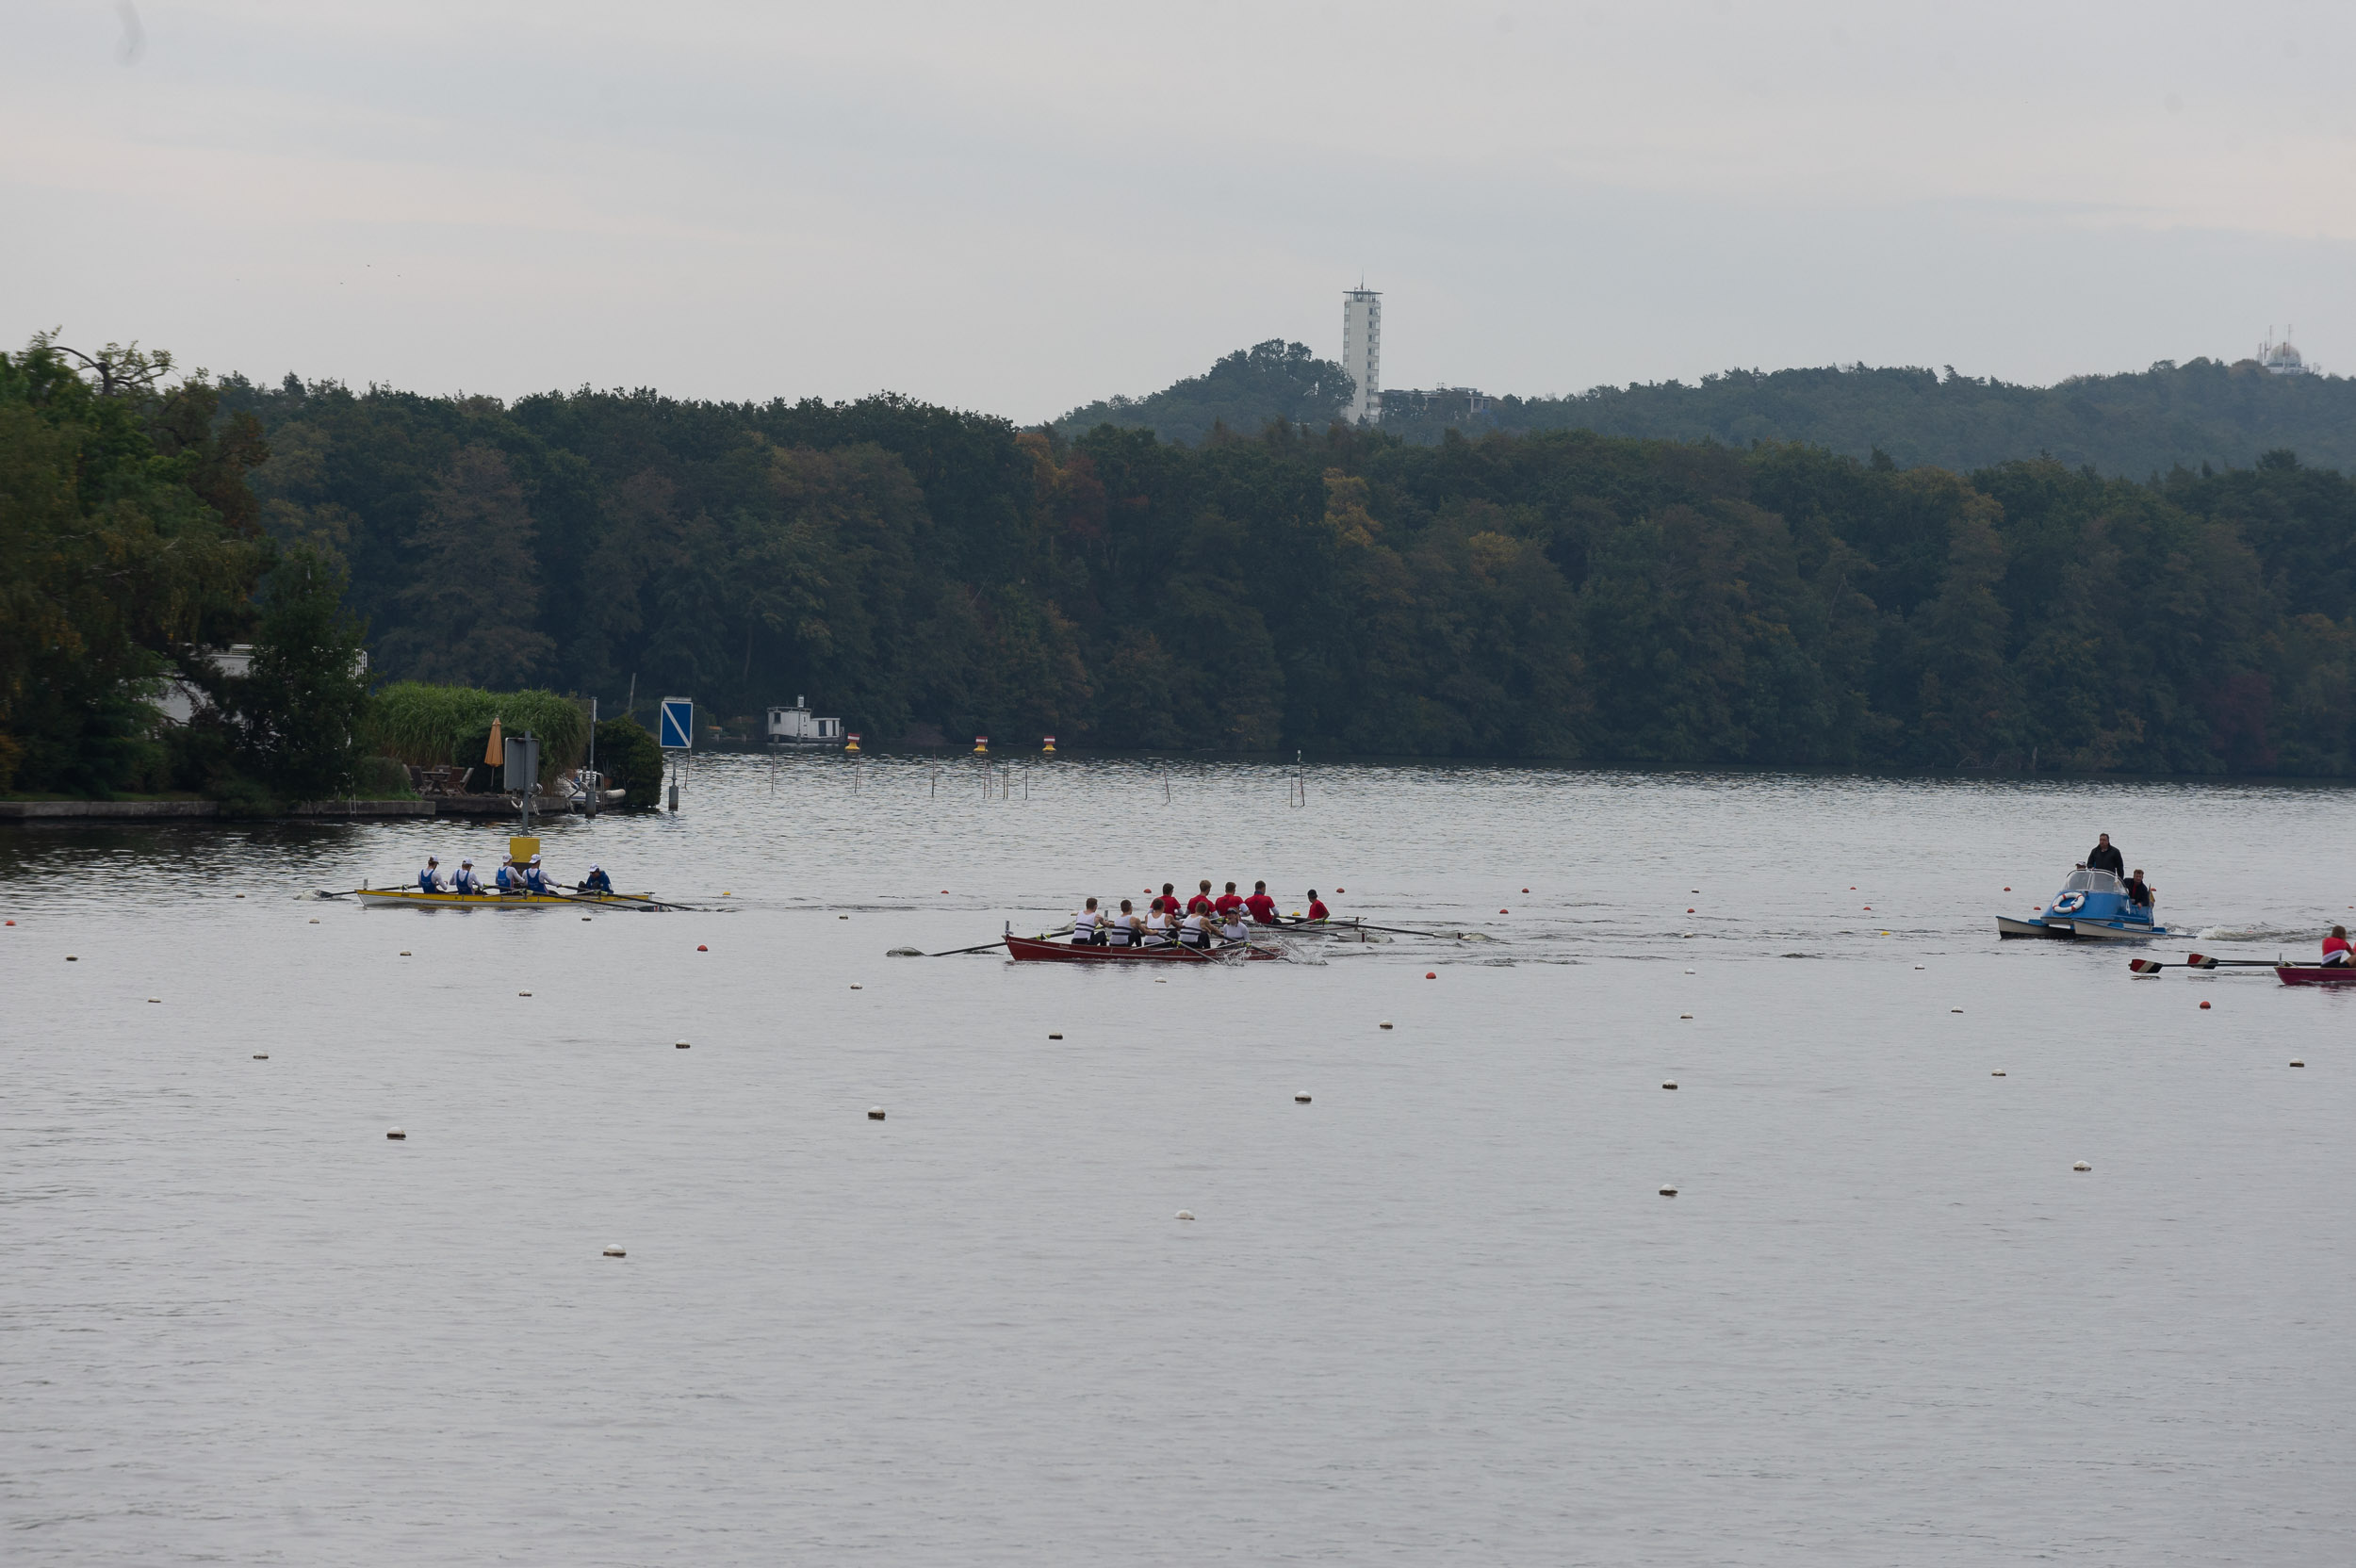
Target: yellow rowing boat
x,y
423,899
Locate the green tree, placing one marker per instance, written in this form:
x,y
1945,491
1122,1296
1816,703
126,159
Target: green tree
x,y
298,710
471,616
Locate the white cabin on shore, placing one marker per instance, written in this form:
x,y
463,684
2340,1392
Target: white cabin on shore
x,y
795,726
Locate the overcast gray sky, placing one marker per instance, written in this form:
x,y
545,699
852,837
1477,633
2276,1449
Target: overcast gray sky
x,y
1020,206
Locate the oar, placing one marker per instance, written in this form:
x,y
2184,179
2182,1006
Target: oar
x,y
955,951
346,893
2153,966
627,902
1362,925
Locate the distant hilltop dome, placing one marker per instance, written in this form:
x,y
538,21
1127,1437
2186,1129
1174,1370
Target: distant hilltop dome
x,y
2280,359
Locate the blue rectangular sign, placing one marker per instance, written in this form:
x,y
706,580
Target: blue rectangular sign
x,y
677,728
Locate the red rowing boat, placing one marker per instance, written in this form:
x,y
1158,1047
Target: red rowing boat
x,y
2317,975
1042,950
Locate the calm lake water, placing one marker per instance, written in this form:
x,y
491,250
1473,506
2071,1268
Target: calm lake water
x,y
1440,1313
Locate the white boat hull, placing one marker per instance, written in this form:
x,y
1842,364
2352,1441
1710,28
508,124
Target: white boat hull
x,y
2083,931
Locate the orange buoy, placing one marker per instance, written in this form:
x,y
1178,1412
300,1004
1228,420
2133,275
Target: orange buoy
x,y
701,948
2204,1007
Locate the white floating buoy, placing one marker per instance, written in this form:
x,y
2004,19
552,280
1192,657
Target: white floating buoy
x,y
261,1056
240,895
523,993
404,952
1055,1036
842,916
1954,1009
678,1045
314,922
585,920
1670,1085
875,1113
1161,981
615,1253
2081,1166
71,959
396,1135
155,1001
1384,1024
1185,1214
1300,1100
1685,1014
1689,972
2298,1063
1668,1192
1918,968
1998,1074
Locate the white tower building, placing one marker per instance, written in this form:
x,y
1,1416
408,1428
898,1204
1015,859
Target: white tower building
x,y
1361,351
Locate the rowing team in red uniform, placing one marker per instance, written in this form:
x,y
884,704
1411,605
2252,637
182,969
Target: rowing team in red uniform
x,y
1202,922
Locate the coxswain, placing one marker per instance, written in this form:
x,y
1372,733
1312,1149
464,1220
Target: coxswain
x,y
1084,926
430,879
1232,925
2105,855
465,881
1227,903
2336,953
1317,911
1195,930
595,882
1262,907
1200,903
1122,931
535,880
2139,892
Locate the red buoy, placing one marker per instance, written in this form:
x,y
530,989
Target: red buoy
x,y
1505,911
1433,975
2204,1007
1525,890
701,948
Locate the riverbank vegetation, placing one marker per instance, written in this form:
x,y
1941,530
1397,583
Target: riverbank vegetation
x,y
924,572
1558,594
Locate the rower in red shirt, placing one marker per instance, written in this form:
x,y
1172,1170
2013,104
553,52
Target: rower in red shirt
x,y
1317,908
1227,900
1262,907
2336,953
1168,903
1200,903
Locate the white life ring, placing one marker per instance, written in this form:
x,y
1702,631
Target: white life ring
x,y
2070,904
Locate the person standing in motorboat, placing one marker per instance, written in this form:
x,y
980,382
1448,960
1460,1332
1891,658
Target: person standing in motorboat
x,y
2105,855
2139,892
2336,953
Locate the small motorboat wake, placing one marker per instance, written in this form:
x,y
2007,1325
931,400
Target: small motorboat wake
x,y
2092,905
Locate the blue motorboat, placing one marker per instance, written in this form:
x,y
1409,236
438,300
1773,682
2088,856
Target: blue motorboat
x,y
2091,906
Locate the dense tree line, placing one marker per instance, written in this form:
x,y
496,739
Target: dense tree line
x,y
130,546
1558,594
2139,425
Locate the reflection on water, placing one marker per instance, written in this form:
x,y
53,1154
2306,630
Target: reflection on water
x,y
1438,1313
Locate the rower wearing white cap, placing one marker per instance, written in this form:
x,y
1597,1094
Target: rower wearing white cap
x,y
430,879
465,881
597,881
510,880
535,880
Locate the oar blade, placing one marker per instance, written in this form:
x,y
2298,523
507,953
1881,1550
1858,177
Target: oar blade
x,y
2146,965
